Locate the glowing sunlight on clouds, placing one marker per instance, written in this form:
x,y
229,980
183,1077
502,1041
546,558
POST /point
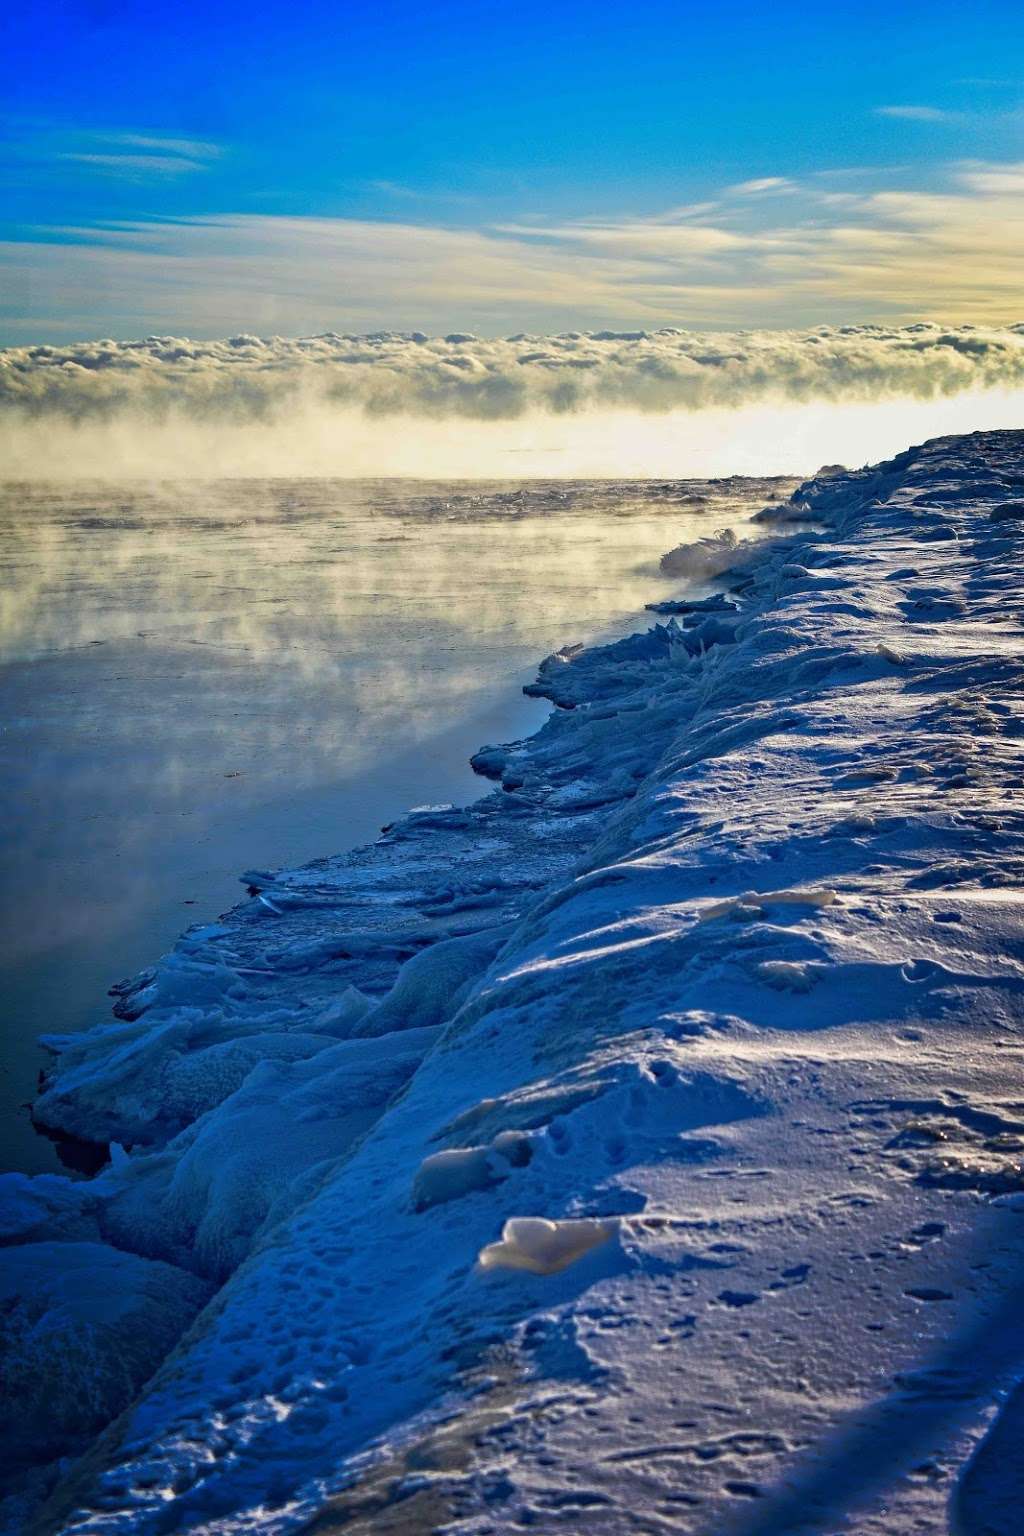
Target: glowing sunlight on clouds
x,y
769,251
659,403
597,351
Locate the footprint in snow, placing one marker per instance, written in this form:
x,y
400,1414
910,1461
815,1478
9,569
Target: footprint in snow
x,y
738,1298
927,1232
560,1136
919,970
797,1274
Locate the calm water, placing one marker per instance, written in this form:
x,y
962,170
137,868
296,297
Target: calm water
x,y
200,678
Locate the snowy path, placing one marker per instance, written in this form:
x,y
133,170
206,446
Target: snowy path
x,y
727,984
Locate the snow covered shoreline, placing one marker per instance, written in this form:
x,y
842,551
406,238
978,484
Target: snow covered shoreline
x,y
587,1157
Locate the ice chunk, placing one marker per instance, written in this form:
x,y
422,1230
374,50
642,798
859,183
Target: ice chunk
x,y
46,1206
545,1247
789,975
460,1171
754,900
252,1159
448,1175
83,1326
431,985
142,1082
703,559
342,1015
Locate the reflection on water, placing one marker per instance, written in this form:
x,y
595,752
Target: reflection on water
x,y
201,678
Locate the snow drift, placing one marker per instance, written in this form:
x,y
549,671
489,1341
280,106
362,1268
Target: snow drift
x,y
635,1149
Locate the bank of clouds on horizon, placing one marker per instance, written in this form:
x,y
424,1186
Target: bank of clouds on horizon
x,y
251,379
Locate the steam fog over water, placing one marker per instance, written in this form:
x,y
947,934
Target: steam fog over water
x,y
203,678
576,405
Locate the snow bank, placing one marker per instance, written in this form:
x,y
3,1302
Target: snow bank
x,y
635,1149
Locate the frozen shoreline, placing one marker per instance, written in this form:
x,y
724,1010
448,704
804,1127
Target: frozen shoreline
x,y
197,677
725,979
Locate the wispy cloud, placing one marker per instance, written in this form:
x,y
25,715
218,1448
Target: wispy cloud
x,y
139,156
134,166
401,193
762,184
192,149
135,156
920,114
874,249
994,180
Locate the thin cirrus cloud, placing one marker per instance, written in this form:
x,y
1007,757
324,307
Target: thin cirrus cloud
x,y
920,114
131,156
762,184
845,247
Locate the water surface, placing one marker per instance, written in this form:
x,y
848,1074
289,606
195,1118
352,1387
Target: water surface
x,y
198,678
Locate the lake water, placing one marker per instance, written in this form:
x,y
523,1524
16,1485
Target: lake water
x,y
203,677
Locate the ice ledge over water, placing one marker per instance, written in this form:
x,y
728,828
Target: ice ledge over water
x,y
635,1149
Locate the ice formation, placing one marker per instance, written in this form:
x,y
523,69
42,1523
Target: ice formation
x,y
637,1149
545,1247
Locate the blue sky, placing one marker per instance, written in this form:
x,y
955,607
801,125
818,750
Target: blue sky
x,y
206,168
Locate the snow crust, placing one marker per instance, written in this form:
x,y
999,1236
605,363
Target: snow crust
x,y
637,1149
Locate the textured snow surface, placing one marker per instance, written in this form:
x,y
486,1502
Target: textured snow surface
x,y
636,1150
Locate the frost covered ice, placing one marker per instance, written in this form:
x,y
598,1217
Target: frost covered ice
x,y
544,1247
636,1149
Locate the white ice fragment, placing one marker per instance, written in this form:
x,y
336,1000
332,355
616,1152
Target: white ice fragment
x,y
756,899
461,1171
545,1247
702,559
789,975
448,1175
